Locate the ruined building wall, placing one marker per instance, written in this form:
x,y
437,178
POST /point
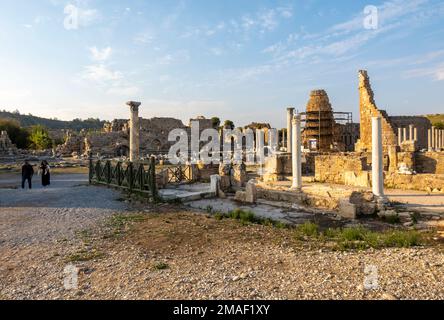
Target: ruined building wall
x,y
368,110
422,124
429,162
335,168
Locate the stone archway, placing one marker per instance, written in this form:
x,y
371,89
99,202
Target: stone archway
x,y
122,151
157,145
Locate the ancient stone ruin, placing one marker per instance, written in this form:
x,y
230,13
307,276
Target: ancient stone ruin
x,y
6,146
319,122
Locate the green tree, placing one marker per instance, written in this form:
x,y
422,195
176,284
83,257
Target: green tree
x,y
229,124
216,122
39,138
18,135
439,125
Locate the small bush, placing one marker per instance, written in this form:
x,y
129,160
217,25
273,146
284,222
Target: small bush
x,y
161,266
219,216
393,219
308,229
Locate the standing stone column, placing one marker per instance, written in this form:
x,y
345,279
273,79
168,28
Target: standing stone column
x,y
297,153
377,158
439,140
429,139
134,131
404,131
290,115
283,139
399,136
411,132
415,134
433,138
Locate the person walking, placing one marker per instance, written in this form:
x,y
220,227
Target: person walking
x,y
27,173
45,172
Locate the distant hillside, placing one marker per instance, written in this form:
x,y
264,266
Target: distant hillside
x,y
436,118
30,120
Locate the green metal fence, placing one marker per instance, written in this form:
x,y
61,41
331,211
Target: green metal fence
x,y
132,177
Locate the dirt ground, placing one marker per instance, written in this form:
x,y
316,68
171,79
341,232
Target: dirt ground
x,y
125,250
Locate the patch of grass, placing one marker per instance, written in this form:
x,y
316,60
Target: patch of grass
x,y
219,216
119,223
209,209
161,266
360,238
308,229
248,217
85,255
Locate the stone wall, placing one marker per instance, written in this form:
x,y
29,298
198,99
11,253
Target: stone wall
x,y
368,110
336,168
423,182
429,162
355,170
278,167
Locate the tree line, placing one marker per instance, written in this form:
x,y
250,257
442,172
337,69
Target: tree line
x,y
35,137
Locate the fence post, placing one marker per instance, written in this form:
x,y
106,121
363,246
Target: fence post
x,y
108,172
152,178
118,173
130,176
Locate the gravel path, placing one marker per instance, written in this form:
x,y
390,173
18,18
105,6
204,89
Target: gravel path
x,y
55,213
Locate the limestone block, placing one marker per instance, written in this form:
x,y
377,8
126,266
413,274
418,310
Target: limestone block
x,y
347,210
238,176
251,192
240,196
215,184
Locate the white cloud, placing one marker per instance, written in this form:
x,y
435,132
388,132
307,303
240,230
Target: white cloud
x,y
435,72
143,38
100,54
100,73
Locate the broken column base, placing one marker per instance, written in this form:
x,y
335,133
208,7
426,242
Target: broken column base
x,y
249,195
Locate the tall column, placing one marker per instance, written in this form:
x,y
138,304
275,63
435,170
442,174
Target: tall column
x,y
297,153
411,132
134,131
284,143
399,136
377,158
429,139
439,139
415,134
404,132
290,114
260,144
433,138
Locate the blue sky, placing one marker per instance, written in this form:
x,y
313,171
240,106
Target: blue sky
x,y
237,59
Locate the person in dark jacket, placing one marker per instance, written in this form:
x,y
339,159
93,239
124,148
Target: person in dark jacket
x,y
44,171
27,173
